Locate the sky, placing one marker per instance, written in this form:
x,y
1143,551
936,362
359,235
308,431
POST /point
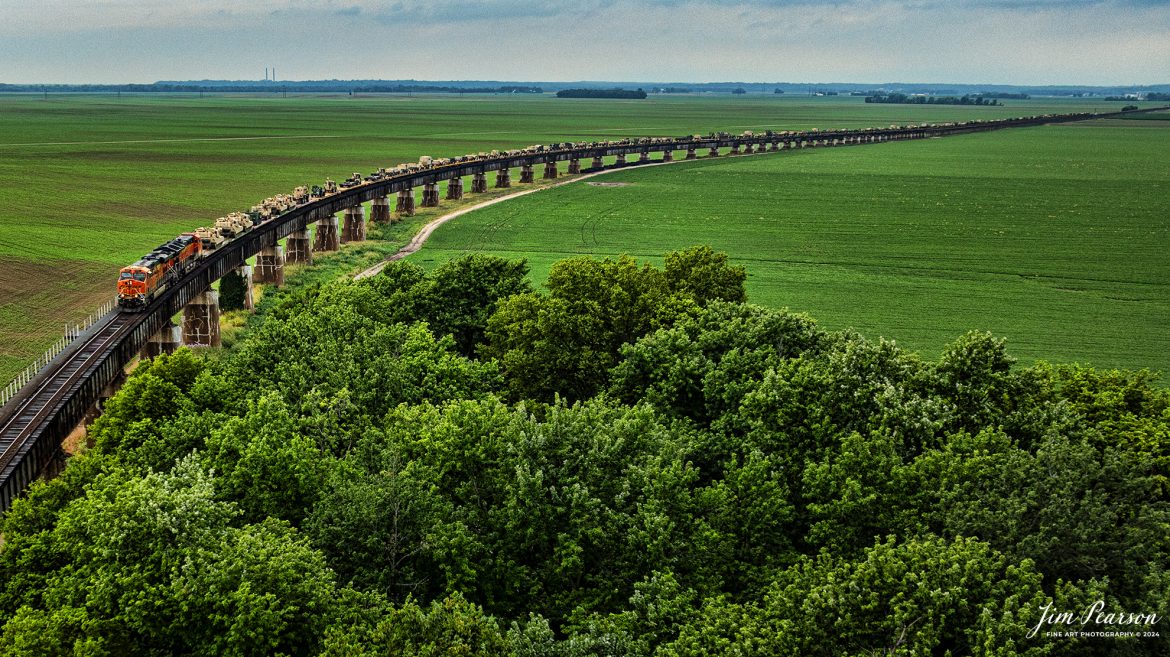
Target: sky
x,y
1025,42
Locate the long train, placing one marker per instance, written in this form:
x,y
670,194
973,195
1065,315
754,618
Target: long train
x,y
139,283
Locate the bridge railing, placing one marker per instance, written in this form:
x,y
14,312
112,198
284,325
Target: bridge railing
x,y
72,331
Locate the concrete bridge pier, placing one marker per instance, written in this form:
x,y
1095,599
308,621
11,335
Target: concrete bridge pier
x,y
714,152
166,341
269,266
201,320
691,155
644,157
326,238
353,226
298,247
574,167
404,206
430,197
735,149
775,146
621,160
668,156
749,149
380,210
478,183
503,179
598,163
550,170
526,174
454,189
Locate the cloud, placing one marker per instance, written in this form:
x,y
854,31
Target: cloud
x,y
1024,41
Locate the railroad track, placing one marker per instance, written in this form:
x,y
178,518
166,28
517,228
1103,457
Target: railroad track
x,y
55,388
49,391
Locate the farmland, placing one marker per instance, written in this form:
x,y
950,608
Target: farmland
x,y
1055,237
94,181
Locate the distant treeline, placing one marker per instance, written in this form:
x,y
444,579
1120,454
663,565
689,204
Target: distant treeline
x,y
903,99
382,89
1149,96
339,87
1004,95
600,93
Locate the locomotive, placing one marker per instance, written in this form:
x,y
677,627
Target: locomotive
x,y
139,283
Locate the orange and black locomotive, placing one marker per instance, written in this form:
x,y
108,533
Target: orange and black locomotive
x,y
140,282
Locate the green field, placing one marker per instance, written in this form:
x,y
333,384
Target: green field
x,y
1055,237
95,181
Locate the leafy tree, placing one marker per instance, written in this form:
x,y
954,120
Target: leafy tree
x,y
704,275
451,627
155,567
567,341
460,295
232,291
264,464
922,596
701,367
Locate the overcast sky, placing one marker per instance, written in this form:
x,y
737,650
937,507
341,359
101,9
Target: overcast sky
x,y
1033,42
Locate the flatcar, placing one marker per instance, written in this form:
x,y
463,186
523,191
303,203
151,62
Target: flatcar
x,y
139,283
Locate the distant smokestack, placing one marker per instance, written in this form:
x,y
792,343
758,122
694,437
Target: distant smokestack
x,y
266,74
274,74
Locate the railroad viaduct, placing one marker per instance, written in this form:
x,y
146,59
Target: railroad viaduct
x,y
59,397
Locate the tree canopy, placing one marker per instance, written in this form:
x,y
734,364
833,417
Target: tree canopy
x,y
632,460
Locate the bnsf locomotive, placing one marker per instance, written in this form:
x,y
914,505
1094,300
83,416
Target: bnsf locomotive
x,y
140,282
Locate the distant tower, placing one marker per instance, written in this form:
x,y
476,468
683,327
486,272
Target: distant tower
x,y
266,74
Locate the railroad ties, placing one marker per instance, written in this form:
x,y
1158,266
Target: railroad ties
x,y
57,400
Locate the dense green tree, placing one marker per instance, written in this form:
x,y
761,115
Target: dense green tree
x,y
701,367
922,596
154,566
233,291
704,275
264,464
565,342
460,295
451,627
675,473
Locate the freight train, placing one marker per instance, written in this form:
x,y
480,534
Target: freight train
x,y
142,281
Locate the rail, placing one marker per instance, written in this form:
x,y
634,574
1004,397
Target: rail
x,y
72,332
